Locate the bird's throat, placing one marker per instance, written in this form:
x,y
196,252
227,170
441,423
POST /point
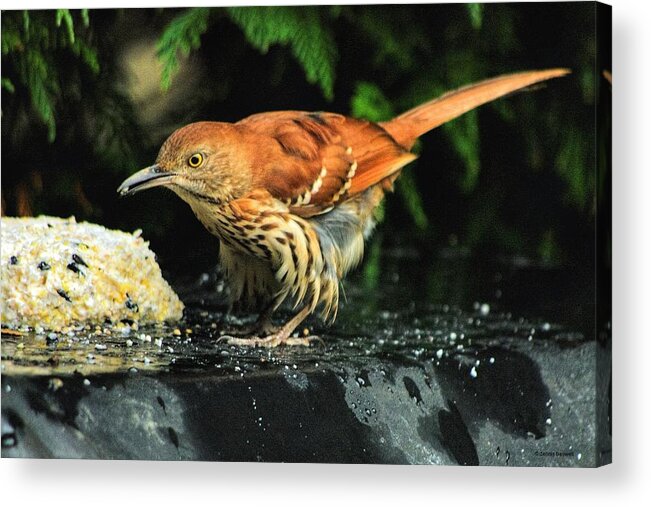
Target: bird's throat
x,y
189,195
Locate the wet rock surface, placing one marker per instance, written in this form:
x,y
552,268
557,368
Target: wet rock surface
x,y
396,380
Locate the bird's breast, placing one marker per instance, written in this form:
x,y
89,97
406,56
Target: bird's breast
x,y
240,234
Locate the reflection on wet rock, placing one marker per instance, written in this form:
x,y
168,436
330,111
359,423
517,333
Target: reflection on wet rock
x,y
507,389
455,436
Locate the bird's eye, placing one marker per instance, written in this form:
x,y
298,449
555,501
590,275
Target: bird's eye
x,y
195,160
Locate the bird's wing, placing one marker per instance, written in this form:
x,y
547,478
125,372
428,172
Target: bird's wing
x,y
313,161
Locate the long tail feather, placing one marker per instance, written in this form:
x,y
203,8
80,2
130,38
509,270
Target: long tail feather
x,y
409,126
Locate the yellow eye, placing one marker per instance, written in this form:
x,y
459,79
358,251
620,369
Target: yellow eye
x,y
195,160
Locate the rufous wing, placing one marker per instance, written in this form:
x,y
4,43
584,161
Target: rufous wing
x,y
313,161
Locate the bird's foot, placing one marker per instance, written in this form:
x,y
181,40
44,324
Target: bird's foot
x,y
279,337
271,341
255,329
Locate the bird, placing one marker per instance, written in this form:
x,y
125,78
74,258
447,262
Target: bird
x,y
291,195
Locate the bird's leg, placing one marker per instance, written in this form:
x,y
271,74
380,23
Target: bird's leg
x,y
262,325
280,337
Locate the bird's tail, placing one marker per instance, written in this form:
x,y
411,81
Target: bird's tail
x,y
409,126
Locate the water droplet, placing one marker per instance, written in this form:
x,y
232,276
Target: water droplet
x,y
9,440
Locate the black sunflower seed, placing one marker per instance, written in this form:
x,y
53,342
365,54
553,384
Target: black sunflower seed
x,y
64,295
79,260
74,268
131,304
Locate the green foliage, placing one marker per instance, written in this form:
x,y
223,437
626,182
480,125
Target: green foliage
x,y
464,134
411,197
476,12
182,34
370,103
396,36
300,28
43,90
63,15
31,45
8,85
549,250
372,265
85,18
570,165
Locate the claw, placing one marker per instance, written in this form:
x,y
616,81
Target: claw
x,y
225,338
257,328
280,337
270,341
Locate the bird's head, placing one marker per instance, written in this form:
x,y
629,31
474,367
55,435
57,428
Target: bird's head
x,y
201,161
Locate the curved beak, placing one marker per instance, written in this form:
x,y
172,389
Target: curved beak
x,y
152,176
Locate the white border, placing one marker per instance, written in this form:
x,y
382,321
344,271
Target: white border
x,y
52,483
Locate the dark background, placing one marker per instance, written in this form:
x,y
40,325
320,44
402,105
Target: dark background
x,y
89,96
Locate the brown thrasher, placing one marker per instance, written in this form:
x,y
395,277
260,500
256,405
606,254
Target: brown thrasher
x,y
291,194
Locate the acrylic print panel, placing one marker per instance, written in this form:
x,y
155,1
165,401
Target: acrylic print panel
x,y
333,277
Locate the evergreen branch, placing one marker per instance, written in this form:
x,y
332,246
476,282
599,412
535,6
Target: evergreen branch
x,y
32,43
464,134
408,190
88,55
40,81
369,102
394,35
11,40
571,162
63,15
8,85
26,24
182,34
85,18
476,13
299,28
